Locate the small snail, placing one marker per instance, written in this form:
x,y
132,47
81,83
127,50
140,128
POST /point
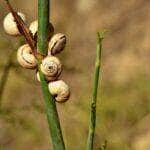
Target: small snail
x,y
51,67
10,25
34,28
56,44
60,90
26,58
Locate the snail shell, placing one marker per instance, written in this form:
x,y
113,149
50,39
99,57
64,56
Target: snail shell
x,y
60,90
34,28
26,58
10,25
51,67
56,44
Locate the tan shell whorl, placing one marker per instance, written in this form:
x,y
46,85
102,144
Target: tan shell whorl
x,y
60,90
56,44
25,57
51,67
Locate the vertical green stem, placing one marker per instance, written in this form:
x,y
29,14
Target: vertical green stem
x,y
6,70
43,25
92,122
51,110
5,76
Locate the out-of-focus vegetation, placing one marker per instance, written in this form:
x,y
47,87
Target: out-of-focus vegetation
x,y
123,112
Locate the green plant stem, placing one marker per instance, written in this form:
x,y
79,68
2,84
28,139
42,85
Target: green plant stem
x,y
103,146
4,77
43,26
51,110
6,70
92,122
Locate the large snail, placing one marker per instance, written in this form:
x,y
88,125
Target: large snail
x,y
26,58
51,67
60,90
10,25
56,44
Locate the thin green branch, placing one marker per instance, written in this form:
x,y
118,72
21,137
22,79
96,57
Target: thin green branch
x,y
103,146
92,122
43,26
4,76
51,110
6,70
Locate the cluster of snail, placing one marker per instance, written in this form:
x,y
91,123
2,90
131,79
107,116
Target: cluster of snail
x,y
50,66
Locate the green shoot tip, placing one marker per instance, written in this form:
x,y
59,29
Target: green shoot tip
x,y
101,34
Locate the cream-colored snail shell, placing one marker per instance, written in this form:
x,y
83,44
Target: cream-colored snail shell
x,y
10,25
60,90
51,67
34,28
25,57
56,44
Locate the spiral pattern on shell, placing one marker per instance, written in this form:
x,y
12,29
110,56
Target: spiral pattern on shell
x,y
60,90
56,44
51,67
25,57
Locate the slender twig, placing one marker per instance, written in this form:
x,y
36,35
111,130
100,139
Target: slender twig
x,y
6,70
92,122
103,146
4,77
51,110
22,27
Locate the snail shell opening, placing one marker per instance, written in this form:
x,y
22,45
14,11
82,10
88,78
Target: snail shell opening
x,y
56,44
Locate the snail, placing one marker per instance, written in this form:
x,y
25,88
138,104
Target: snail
x,y
10,25
34,28
60,90
56,44
51,67
26,58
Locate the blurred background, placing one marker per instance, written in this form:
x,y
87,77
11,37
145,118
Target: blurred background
x,y
123,110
